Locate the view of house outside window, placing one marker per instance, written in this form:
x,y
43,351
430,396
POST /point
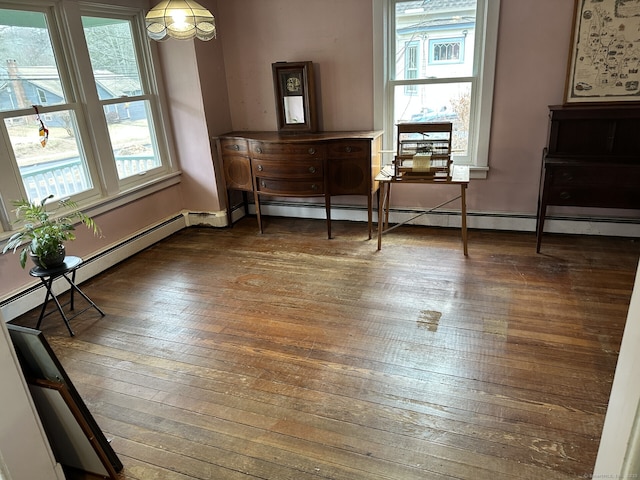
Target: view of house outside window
x,y
433,79
46,87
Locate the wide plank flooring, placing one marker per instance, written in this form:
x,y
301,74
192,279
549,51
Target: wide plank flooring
x,y
226,354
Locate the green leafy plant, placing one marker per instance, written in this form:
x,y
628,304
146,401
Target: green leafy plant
x,y
44,232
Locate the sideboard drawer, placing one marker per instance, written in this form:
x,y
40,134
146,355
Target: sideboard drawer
x,y
288,168
360,149
282,150
234,146
302,188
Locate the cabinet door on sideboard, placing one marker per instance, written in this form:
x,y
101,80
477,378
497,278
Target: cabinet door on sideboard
x,y
349,164
236,164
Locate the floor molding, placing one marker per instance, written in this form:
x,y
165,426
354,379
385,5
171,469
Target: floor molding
x,y
98,263
32,297
606,226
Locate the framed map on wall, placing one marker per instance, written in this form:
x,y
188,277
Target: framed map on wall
x,y
604,60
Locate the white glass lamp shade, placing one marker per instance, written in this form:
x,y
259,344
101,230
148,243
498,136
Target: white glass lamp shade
x,y
181,19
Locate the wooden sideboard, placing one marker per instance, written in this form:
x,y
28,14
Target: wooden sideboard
x,y
592,159
322,164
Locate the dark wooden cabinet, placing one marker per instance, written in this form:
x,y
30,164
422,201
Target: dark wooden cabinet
x,y
302,165
592,159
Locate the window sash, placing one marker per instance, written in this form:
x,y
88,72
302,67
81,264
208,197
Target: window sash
x,y
481,80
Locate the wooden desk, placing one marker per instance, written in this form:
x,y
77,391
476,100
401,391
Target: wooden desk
x,y
592,159
386,178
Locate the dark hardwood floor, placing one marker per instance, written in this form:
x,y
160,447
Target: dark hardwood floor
x,y
226,354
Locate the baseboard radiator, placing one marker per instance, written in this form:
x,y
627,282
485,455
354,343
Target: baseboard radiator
x,y
32,297
101,261
574,225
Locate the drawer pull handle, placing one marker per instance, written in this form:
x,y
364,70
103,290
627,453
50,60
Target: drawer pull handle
x,y
565,195
314,187
312,151
263,184
567,176
347,149
312,169
260,168
259,150
236,147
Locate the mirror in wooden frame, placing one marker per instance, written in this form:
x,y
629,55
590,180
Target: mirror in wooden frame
x,y
294,87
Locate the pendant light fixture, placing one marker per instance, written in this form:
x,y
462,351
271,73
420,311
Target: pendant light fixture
x,y
181,19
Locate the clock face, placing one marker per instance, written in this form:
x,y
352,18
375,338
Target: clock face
x,y
293,84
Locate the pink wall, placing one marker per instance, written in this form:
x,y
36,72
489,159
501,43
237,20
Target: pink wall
x,y
533,47
337,36
191,135
116,225
215,95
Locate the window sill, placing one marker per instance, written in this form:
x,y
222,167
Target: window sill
x,y
103,205
478,172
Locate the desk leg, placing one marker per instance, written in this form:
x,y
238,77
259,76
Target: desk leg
x,y
383,209
387,203
542,213
463,200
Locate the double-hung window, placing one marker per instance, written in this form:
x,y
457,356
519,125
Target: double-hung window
x,y
439,67
79,111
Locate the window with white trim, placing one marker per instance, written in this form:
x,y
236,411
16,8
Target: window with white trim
x,y
81,72
455,80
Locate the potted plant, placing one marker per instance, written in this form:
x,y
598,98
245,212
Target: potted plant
x,y
44,233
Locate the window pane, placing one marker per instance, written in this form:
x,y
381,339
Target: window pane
x,y
448,102
444,33
58,168
131,139
117,75
30,75
113,58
